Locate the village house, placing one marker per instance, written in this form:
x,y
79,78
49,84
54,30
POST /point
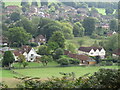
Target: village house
x,y
84,59
116,53
40,39
111,33
93,51
29,53
3,40
11,8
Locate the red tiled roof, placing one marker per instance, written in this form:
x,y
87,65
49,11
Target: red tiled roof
x,y
117,52
26,48
88,49
18,52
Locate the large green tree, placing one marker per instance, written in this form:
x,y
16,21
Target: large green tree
x,y
34,3
44,50
109,10
44,2
18,35
89,25
15,16
78,29
113,25
59,38
8,59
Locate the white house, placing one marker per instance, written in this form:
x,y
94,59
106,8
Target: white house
x,y
92,51
29,53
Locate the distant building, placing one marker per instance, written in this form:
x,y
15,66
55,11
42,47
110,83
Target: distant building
x,y
116,53
84,59
29,53
40,39
93,51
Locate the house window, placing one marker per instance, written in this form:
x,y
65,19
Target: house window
x,y
91,53
31,54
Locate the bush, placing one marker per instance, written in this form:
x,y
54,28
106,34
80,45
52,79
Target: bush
x,y
109,63
63,61
102,63
74,61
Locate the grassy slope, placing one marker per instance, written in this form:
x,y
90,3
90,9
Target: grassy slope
x,y
87,41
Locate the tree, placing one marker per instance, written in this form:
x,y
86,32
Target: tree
x,y
63,61
71,47
8,59
45,59
27,25
22,60
113,25
59,38
109,10
34,3
15,16
58,52
52,46
89,25
18,35
44,2
44,50
112,43
24,3
78,30
81,42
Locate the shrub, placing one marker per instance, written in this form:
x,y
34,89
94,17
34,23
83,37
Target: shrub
x,y
63,61
109,63
102,63
74,61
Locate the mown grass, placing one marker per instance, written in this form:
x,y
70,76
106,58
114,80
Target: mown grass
x,y
36,64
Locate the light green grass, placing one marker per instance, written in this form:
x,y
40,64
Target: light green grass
x,y
87,41
35,64
54,71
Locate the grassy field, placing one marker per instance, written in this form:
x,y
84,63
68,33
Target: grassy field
x,y
35,64
87,41
8,77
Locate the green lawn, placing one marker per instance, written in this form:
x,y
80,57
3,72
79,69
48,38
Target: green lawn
x,y
35,64
53,71
87,41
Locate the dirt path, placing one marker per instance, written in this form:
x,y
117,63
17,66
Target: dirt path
x,y
12,82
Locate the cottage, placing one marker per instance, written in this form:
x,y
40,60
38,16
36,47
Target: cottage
x,y
116,53
84,59
29,53
3,40
40,39
92,51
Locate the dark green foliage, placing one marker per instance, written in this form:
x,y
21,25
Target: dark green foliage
x,y
109,10
24,3
18,35
58,52
105,78
15,16
34,3
78,30
63,61
8,59
58,37
44,2
113,25
74,61
89,25
43,50
45,59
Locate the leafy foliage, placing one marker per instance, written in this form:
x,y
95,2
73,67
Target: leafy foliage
x,y
8,59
